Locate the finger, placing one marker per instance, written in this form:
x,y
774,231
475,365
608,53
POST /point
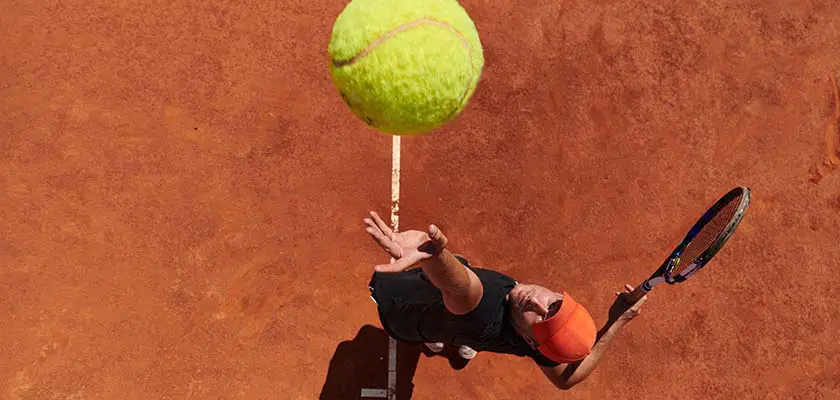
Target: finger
x,y
369,222
628,287
387,268
636,307
384,242
378,235
374,231
381,224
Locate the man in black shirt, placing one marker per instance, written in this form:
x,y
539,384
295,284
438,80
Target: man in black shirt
x,y
447,302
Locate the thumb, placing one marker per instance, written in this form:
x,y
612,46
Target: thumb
x,y
437,236
389,268
399,265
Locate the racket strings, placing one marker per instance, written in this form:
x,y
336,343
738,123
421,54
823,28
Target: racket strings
x,y
707,236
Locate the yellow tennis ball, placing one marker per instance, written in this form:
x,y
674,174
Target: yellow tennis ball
x,y
405,67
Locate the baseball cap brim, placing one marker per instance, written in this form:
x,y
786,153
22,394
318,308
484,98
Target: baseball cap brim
x,y
568,335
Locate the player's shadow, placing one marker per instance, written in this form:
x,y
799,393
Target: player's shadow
x,y
362,363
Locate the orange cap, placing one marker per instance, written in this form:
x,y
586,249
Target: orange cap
x,y
568,335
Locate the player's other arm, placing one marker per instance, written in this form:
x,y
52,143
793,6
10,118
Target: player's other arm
x,y
565,376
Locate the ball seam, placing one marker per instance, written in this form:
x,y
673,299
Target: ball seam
x,y
408,26
400,29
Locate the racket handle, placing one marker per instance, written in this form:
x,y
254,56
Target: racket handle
x,y
636,294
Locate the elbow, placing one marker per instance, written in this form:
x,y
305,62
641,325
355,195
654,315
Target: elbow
x,y
569,376
567,384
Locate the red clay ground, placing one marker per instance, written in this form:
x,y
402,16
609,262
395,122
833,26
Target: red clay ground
x,y
182,194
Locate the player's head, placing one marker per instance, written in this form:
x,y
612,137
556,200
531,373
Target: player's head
x,y
552,322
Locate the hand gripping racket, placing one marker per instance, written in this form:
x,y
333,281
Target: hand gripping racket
x,y
702,242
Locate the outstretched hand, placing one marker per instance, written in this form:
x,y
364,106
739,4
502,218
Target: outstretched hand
x,y
620,311
407,248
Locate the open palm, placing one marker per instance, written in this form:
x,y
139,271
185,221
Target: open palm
x,y
407,248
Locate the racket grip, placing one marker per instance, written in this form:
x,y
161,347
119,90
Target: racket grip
x,y
636,294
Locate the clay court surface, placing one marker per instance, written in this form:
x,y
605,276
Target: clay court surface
x,y
183,192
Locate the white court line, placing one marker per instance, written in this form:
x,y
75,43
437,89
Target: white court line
x,y
395,183
395,222
391,393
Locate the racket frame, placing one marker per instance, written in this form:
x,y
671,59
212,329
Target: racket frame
x,y
664,273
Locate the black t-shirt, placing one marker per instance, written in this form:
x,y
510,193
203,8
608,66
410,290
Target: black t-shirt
x,y
411,309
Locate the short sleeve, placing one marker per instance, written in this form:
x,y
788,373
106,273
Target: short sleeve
x,y
490,308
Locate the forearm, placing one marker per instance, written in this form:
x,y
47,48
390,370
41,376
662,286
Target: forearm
x,y
460,286
577,372
446,272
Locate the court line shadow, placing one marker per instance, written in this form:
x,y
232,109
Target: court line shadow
x,y
362,362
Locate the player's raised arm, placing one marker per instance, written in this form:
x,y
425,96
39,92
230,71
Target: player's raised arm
x,y
461,288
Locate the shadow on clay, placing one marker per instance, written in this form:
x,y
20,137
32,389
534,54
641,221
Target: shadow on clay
x,y
362,363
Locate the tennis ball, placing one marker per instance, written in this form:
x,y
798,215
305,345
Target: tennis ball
x,y
405,67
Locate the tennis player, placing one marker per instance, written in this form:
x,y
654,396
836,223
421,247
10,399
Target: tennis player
x,y
429,295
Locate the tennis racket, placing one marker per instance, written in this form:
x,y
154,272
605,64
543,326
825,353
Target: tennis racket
x,y
702,242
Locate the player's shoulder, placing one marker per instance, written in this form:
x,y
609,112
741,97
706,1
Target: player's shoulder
x,y
496,285
493,276
488,276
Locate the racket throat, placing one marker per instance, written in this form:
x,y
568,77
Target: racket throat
x,y
683,272
648,285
